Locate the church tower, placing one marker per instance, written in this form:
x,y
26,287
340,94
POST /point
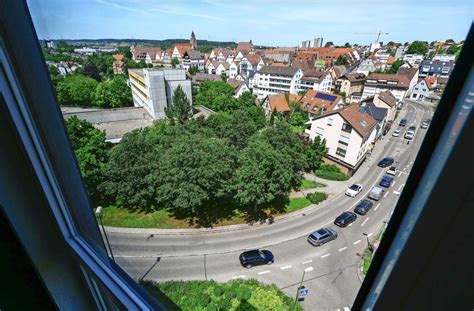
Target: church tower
x,y
193,41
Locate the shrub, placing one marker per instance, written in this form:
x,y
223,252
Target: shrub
x,y
316,197
331,172
243,293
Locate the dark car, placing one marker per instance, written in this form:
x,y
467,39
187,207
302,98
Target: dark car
x,y
386,181
387,161
256,257
363,207
345,219
322,236
403,122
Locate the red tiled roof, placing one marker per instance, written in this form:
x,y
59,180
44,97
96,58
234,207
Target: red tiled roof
x,y
388,98
278,102
312,103
402,81
431,81
361,122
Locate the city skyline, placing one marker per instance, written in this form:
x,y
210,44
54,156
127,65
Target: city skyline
x,y
258,21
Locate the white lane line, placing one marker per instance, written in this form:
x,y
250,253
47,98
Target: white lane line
x,y
264,272
385,195
286,267
356,242
307,261
368,235
238,277
401,186
376,207
325,255
396,192
394,183
343,248
350,224
363,223
399,174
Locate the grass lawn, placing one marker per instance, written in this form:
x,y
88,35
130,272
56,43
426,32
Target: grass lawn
x,y
366,261
309,184
122,217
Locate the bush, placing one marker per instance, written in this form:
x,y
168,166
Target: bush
x,y
316,197
331,172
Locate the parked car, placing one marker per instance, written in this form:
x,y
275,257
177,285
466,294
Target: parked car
x,y
376,193
345,219
403,122
386,162
256,257
386,181
354,190
396,133
425,123
392,171
322,236
363,207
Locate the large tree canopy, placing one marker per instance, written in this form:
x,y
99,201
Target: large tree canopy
x,y
113,93
76,90
417,47
216,95
180,111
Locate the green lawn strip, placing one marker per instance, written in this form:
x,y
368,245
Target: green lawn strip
x,y
366,261
210,295
310,184
122,217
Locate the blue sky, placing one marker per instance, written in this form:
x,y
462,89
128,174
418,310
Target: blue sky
x,y
266,22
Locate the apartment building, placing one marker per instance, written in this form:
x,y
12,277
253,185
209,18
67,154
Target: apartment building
x,y
348,133
413,59
377,83
384,100
351,83
445,57
317,103
193,59
271,80
436,68
317,80
412,74
425,88
153,88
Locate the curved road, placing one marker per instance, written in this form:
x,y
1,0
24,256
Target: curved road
x,y
333,283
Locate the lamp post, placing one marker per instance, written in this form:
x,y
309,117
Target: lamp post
x,y
98,213
309,269
368,241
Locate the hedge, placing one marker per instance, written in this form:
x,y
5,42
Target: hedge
x,y
331,172
316,197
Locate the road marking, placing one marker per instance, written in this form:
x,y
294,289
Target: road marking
x,y
399,174
396,192
286,267
394,183
307,261
341,249
264,272
356,242
350,224
238,277
376,207
368,235
401,186
363,223
325,255
385,195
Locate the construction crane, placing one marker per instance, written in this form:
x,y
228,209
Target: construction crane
x,y
373,33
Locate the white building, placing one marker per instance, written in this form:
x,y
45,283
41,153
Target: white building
x,y
272,80
384,100
413,59
424,88
194,59
348,134
412,74
315,80
153,89
239,87
445,57
380,82
366,66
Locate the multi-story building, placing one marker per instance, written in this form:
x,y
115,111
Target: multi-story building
x,y
272,80
118,64
445,57
436,68
426,87
366,66
317,103
153,89
384,100
412,74
351,83
315,80
379,82
193,59
413,59
348,133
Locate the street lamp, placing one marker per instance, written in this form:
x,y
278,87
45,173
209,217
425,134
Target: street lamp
x,y
368,241
98,213
309,269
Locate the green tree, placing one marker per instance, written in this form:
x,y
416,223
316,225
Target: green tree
x,y
91,152
298,117
315,151
347,45
453,49
193,175
180,111
395,66
76,90
193,70
113,93
91,71
449,41
417,47
246,100
103,62
224,76
174,62
341,60
216,95
54,75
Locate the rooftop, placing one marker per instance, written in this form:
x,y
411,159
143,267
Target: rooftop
x,y
279,71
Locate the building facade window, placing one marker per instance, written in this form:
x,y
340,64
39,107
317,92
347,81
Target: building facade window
x,y
341,152
320,131
330,120
346,127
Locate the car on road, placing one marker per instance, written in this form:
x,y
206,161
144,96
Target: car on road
x,y
256,257
425,124
392,171
386,181
376,193
354,190
322,236
403,122
396,133
410,132
345,219
363,207
387,161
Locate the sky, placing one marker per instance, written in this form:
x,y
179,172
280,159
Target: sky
x,y
265,22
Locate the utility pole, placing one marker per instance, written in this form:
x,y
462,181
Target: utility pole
x,y
309,269
98,212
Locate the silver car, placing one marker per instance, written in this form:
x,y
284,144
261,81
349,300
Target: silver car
x,y
322,236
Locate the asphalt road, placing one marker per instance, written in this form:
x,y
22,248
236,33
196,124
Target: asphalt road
x,y
334,282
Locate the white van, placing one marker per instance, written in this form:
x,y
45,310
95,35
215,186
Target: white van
x,y
376,193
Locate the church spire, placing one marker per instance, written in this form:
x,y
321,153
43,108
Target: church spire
x,y
193,41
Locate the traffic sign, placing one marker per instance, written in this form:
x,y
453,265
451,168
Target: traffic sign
x,y
304,292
